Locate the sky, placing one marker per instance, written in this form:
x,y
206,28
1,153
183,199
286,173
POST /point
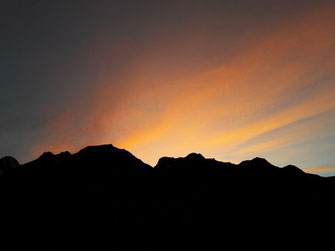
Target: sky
x,y
230,79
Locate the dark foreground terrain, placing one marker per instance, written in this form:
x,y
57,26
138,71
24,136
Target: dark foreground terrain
x,y
103,195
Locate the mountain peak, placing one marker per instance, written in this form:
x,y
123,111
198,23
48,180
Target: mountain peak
x,y
98,147
7,163
108,155
50,155
256,162
192,160
195,156
46,155
293,169
260,160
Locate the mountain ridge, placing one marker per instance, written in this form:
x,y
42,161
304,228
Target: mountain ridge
x,y
194,157
104,187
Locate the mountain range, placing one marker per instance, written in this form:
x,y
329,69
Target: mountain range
x,y
103,186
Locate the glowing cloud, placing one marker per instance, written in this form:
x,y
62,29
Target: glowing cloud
x,y
269,96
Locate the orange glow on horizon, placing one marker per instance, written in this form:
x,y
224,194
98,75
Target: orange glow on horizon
x,y
218,111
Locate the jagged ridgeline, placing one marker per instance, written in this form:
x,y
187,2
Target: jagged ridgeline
x,y
110,186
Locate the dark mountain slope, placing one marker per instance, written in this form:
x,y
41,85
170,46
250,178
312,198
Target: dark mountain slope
x,y
106,187
101,170
8,163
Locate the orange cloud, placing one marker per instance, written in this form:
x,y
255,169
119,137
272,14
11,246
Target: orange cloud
x,y
282,77
320,169
212,109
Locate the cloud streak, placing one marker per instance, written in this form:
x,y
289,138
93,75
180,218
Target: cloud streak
x,y
261,91
321,169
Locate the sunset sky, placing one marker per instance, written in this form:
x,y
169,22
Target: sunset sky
x,y
229,79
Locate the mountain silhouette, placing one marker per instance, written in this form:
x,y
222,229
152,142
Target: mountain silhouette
x,y
110,187
7,163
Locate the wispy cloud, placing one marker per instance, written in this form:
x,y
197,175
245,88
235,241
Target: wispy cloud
x,y
321,169
270,95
